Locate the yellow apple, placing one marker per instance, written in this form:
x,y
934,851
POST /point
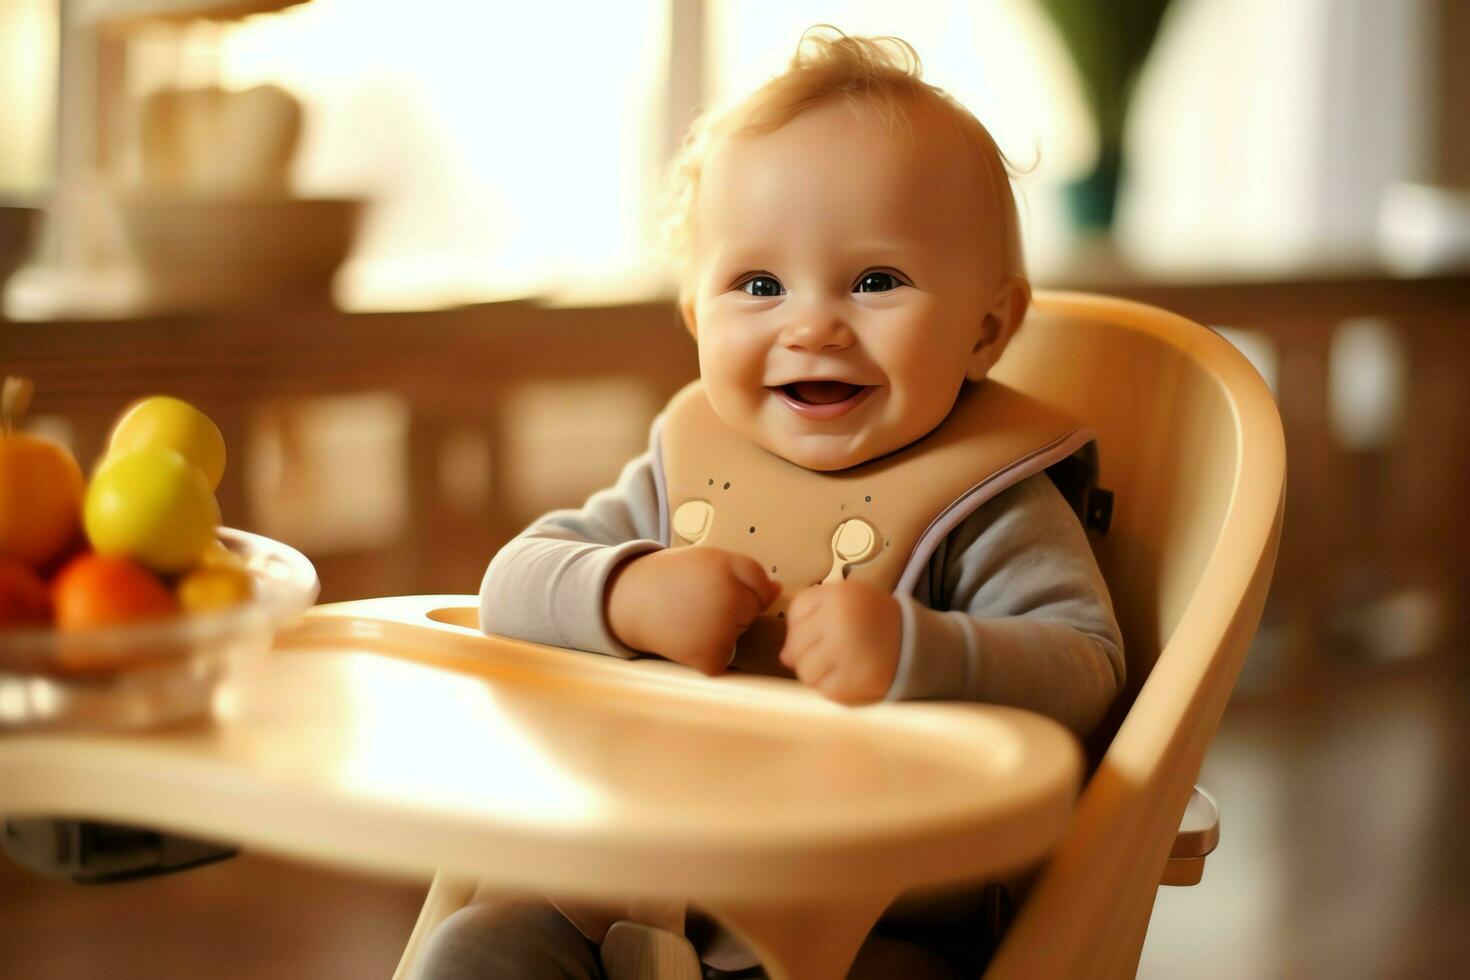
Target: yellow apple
x,y
151,505
168,423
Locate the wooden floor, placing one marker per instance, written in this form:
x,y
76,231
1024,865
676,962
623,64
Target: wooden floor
x,y
1344,854
1343,848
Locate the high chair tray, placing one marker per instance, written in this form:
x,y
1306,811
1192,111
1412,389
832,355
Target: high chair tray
x,y
390,735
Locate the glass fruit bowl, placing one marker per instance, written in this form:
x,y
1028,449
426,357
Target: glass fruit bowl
x,y
157,671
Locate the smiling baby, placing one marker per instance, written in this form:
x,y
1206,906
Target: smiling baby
x,y
843,495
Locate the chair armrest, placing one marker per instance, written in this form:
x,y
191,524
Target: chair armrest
x,y
1199,834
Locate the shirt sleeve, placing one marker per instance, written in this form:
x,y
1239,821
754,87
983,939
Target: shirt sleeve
x,y
546,585
1017,613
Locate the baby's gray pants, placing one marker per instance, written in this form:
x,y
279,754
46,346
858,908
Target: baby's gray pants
x,y
531,940
526,940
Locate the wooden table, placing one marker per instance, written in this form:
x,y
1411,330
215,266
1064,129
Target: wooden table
x,y
390,736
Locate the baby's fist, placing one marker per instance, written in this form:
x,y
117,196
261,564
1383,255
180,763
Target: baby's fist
x,y
687,604
842,638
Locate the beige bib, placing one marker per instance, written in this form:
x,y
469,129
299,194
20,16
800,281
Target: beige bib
x,y
878,522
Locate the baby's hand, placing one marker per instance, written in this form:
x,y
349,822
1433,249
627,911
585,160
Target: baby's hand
x,y
843,639
687,604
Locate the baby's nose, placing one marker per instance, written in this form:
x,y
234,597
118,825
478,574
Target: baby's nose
x,y
817,328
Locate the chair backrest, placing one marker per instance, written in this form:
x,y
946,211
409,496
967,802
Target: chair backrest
x,y
1167,439
1190,443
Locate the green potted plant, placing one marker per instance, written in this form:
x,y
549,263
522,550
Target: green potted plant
x,y
1109,40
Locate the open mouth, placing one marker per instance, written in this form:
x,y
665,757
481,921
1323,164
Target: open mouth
x,y
821,399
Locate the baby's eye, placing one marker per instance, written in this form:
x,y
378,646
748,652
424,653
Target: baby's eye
x,y
877,282
763,286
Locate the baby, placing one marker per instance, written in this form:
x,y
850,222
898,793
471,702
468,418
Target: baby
x,y
841,495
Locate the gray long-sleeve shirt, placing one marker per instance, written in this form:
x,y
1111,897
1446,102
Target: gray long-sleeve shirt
x,y
1011,608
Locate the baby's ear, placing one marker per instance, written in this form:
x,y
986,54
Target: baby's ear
x,y
686,311
1007,310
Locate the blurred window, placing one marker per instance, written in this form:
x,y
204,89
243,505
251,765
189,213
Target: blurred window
x,y
513,150
1265,135
28,72
517,149
507,149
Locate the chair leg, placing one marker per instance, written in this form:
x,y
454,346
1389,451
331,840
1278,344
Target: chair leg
x,y
634,951
805,940
447,895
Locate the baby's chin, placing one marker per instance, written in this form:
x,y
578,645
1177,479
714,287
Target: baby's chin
x,y
825,453
828,452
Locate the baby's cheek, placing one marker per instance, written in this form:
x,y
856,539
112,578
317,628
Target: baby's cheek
x,y
914,411
732,359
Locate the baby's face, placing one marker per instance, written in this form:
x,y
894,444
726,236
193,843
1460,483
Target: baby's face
x,y
845,287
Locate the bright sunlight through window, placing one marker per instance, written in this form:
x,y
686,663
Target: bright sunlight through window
x,y
514,150
506,149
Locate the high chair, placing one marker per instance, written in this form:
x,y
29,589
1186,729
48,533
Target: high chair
x,y
391,736
1192,448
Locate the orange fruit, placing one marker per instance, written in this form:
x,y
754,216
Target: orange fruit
x,y
106,590
23,597
40,499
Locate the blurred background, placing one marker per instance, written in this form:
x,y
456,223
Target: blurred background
x,y
406,255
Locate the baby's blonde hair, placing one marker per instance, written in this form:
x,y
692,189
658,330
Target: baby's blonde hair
x,y
880,74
